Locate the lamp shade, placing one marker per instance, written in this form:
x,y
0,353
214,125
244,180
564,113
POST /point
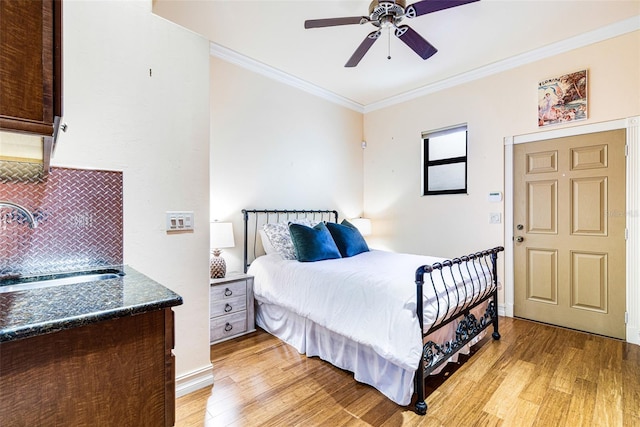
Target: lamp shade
x,y
362,224
221,235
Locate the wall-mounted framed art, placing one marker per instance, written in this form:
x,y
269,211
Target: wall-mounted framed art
x,y
562,99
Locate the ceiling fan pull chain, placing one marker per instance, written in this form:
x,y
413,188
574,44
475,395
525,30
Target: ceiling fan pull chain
x,y
388,43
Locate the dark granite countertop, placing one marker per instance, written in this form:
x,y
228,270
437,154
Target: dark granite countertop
x,y
27,313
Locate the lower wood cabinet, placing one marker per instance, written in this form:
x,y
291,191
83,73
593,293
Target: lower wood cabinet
x,y
118,372
231,311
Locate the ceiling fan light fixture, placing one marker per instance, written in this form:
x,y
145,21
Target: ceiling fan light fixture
x,y
387,14
387,21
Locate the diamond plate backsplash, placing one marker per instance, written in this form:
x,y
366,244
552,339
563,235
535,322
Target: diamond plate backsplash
x,y
20,171
78,216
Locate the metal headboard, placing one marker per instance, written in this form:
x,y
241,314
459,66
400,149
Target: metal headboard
x,y
259,217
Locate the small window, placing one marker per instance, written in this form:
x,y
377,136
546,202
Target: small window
x,y
444,154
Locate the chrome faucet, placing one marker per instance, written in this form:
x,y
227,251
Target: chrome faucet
x,y
29,215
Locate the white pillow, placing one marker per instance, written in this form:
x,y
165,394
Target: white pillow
x,y
279,237
266,243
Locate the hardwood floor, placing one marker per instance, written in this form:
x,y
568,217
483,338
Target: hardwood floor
x,y
536,375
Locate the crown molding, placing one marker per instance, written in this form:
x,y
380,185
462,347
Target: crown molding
x,y
585,39
280,76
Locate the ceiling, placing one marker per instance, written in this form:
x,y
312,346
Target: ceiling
x,y
473,40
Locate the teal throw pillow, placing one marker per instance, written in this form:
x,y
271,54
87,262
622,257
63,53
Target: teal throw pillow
x,y
348,238
313,243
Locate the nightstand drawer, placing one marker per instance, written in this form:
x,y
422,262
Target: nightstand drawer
x,y
228,305
228,290
226,326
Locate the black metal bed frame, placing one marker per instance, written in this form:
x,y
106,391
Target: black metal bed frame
x,y
288,214
469,327
483,289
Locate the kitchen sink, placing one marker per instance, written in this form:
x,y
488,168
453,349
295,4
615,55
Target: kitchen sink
x,y
35,282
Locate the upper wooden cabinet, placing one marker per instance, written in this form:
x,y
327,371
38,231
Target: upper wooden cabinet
x,y
30,65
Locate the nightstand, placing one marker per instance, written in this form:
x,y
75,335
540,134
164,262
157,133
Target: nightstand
x,y
231,311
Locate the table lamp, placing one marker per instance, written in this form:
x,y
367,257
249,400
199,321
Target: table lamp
x,y
362,224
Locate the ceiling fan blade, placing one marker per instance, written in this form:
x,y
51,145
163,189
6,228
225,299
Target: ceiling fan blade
x,y
415,41
362,49
332,22
427,6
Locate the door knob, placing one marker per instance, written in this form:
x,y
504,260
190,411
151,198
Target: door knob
x,y
519,239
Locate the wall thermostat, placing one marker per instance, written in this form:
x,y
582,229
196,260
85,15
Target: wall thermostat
x,y
495,196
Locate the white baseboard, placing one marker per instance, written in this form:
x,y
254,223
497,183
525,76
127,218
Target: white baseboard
x,y
505,310
501,309
194,380
633,335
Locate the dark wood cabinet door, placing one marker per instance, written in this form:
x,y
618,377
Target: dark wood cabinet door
x,y
30,65
117,372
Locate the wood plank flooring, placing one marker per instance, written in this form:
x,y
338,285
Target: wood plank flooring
x,y
536,375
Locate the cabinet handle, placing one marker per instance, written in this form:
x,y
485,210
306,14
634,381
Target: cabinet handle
x,y
228,327
227,308
228,292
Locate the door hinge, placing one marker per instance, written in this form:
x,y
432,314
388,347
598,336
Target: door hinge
x,y
626,234
626,150
626,317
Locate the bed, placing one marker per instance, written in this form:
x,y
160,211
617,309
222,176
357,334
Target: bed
x,y
391,319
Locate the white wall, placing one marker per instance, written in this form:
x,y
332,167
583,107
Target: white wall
x,y
156,130
274,146
502,105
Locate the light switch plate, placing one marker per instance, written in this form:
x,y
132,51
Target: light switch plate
x,y
495,218
179,221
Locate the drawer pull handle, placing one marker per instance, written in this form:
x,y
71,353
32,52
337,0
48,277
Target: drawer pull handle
x,y
227,308
228,292
228,327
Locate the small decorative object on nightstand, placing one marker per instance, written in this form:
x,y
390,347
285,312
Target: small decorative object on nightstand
x,y
221,237
231,310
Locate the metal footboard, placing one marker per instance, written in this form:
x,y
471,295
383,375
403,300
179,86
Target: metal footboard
x,y
456,304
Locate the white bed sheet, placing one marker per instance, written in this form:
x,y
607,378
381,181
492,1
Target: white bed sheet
x,y
369,299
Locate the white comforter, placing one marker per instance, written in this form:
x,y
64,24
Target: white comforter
x,y
369,298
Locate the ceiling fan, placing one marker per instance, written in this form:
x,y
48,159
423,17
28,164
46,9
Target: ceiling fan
x,y
387,14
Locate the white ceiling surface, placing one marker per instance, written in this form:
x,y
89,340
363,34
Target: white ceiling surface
x,y
473,39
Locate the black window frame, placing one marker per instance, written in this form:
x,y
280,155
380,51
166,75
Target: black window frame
x,y
426,163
